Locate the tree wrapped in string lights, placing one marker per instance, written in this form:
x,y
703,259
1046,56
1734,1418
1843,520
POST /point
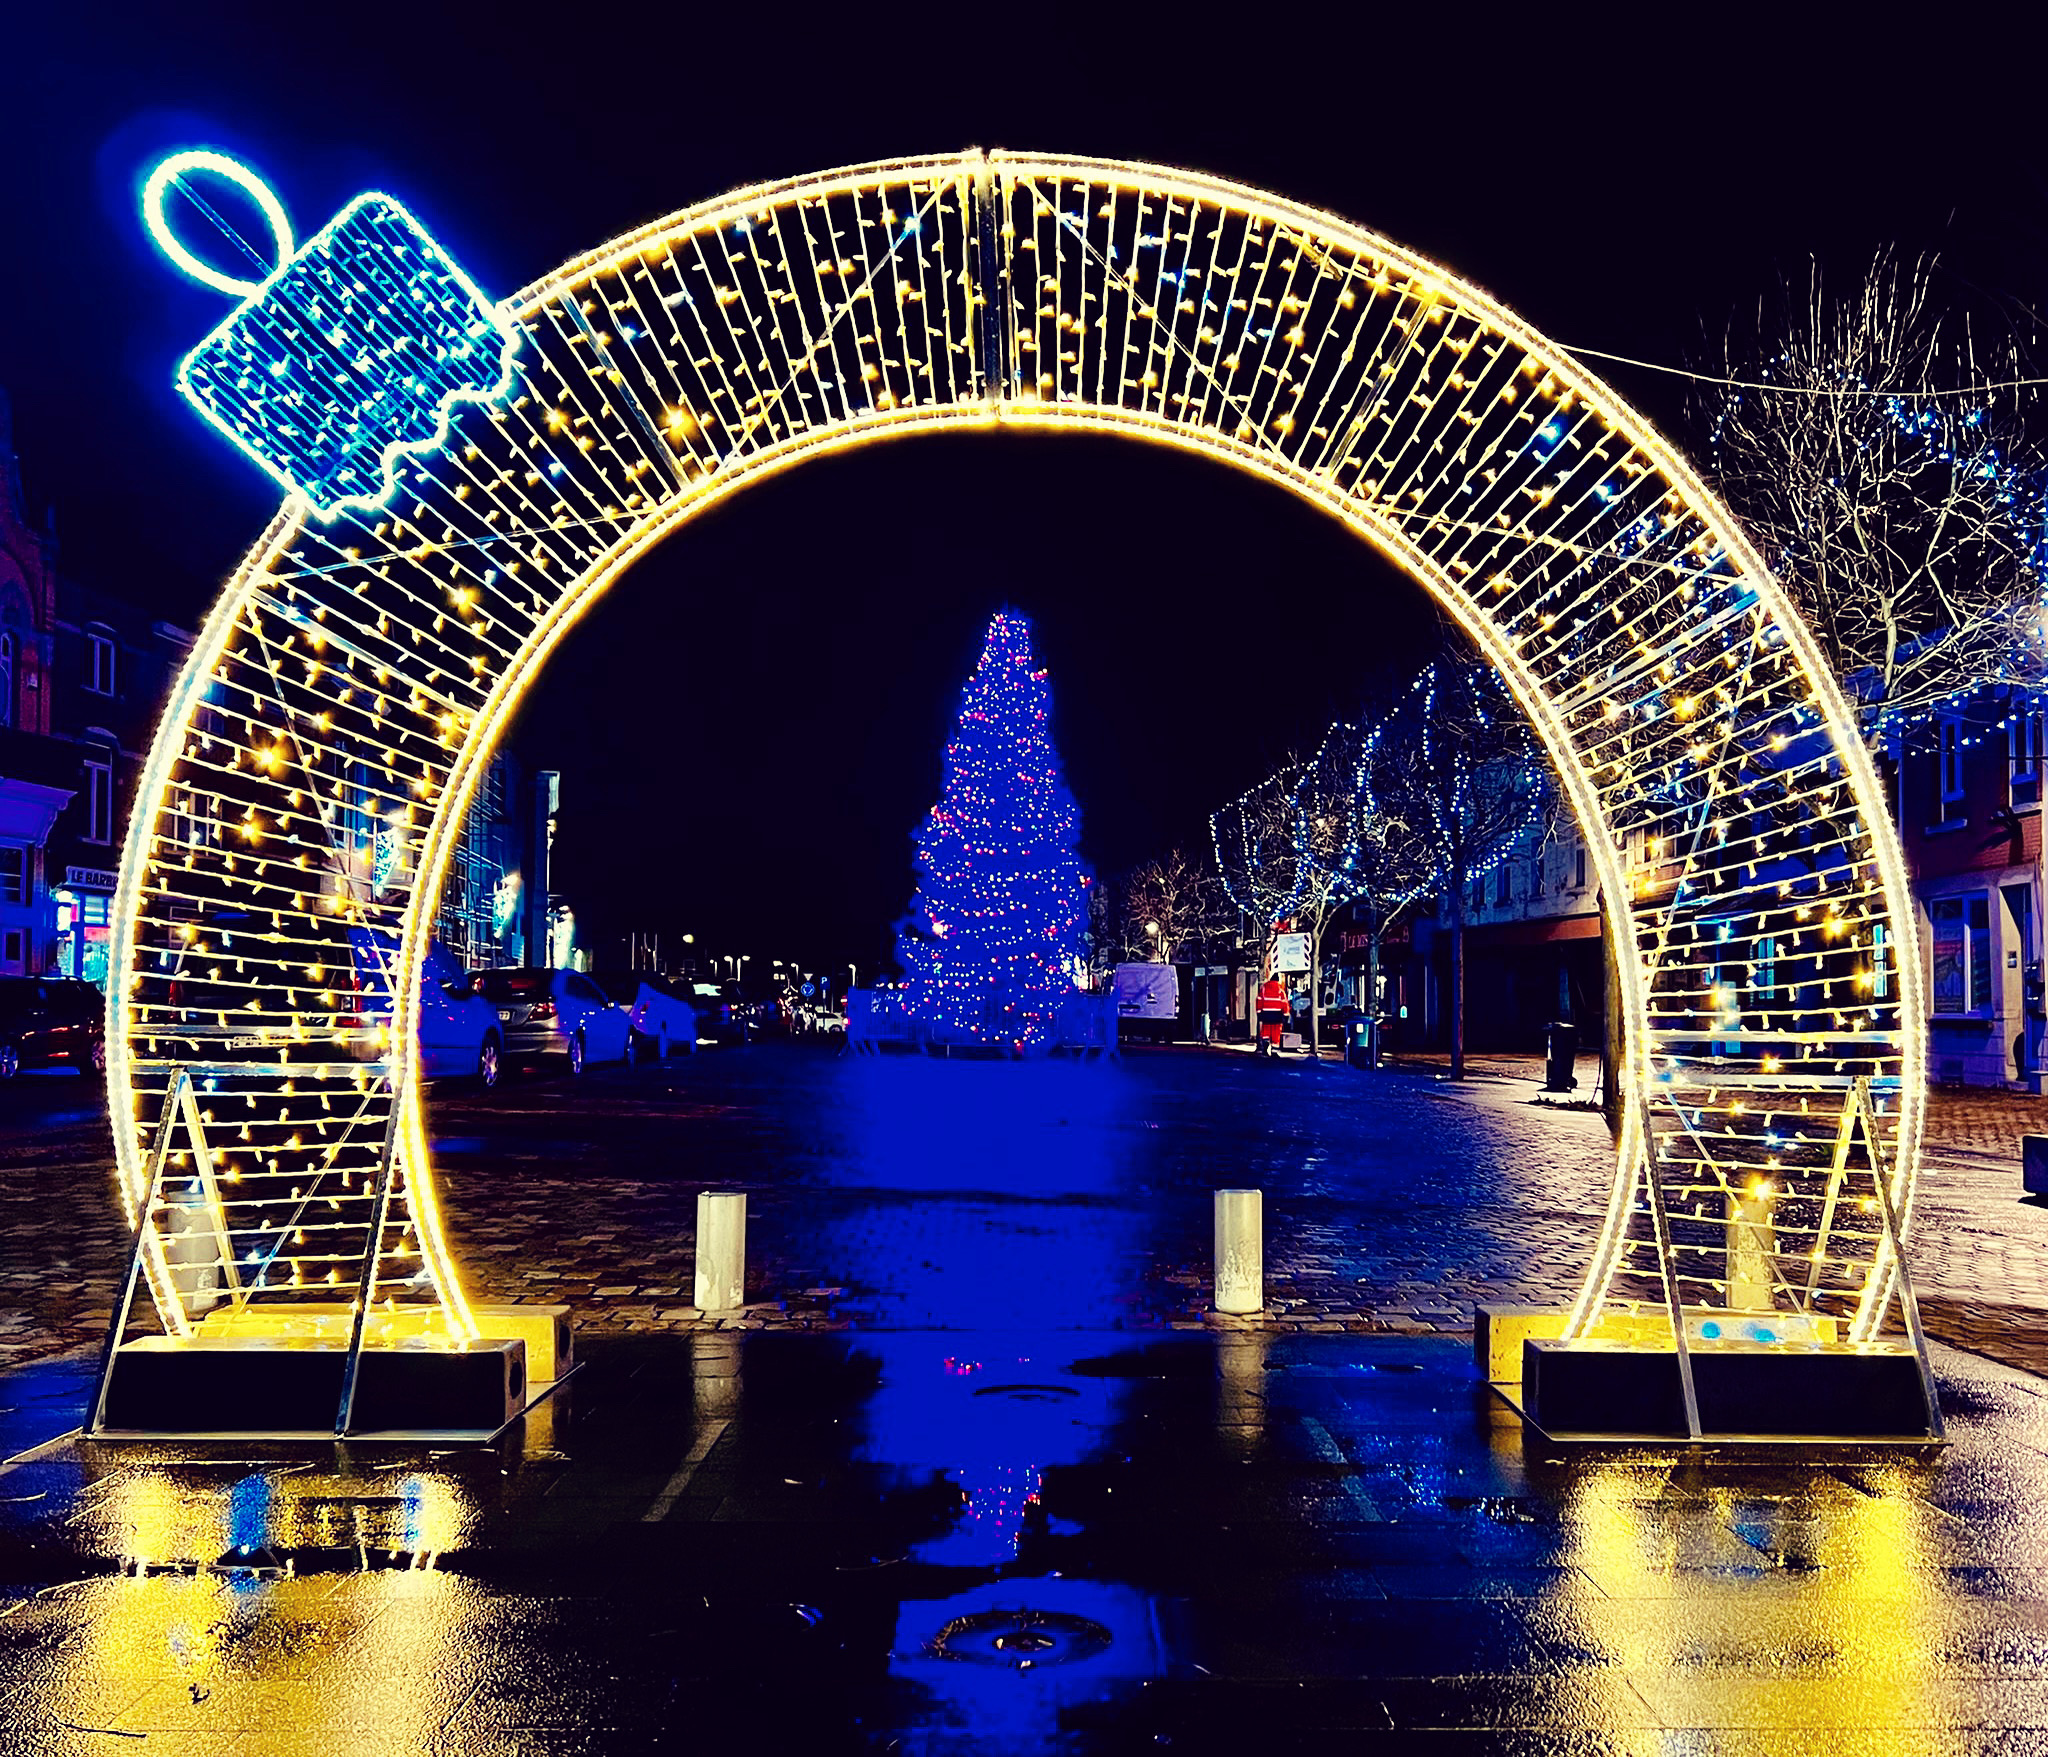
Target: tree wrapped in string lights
x,y
1879,442
1459,769
989,950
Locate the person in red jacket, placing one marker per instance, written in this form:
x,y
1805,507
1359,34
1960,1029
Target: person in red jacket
x,y
1273,1010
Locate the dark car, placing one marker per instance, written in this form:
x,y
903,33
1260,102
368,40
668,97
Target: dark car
x,y
49,1022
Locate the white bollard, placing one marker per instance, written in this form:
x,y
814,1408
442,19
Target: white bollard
x,y
1240,1251
1752,1247
721,1251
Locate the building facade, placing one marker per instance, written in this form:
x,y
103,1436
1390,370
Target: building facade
x,y
495,907
35,777
113,671
83,677
1532,951
1968,797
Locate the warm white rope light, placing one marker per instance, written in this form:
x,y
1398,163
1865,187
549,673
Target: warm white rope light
x,y
306,791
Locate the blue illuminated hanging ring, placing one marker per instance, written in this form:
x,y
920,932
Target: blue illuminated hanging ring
x,y
171,170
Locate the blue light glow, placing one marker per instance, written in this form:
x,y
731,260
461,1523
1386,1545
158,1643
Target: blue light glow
x,y
353,353
173,170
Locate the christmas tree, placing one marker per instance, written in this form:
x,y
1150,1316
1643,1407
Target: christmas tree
x,y
994,931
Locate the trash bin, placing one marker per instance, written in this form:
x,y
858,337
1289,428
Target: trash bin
x,y
1564,1052
1359,1049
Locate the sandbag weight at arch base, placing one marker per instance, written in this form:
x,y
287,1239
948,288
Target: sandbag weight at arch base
x,y
331,727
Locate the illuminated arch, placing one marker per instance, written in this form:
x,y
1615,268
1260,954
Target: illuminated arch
x,y
313,767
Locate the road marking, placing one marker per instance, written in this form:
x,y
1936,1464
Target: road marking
x,y
672,1490
1330,1452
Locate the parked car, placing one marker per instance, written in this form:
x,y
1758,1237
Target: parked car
x,y
707,1001
730,1012
458,1036
659,1011
555,1012
758,1002
51,1022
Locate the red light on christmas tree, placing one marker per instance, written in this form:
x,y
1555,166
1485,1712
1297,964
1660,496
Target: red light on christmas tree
x,y
995,928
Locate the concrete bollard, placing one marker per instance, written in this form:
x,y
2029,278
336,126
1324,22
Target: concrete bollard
x,y
721,1252
1752,1248
1240,1251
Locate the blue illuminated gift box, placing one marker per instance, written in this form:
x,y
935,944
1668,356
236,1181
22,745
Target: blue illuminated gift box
x,y
356,351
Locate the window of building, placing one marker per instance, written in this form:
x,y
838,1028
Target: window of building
x,y
100,660
99,791
193,822
1948,762
1479,893
1766,968
1880,962
1503,884
1536,875
1962,953
1579,866
2024,736
6,677
13,875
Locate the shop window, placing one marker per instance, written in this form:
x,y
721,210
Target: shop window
x,y
100,652
13,875
1880,962
1765,966
1579,866
1962,954
1948,764
2025,737
6,677
99,791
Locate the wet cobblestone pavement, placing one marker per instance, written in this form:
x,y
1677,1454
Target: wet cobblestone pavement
x,y
976,1473
1060,1541
1394,1201
907,1193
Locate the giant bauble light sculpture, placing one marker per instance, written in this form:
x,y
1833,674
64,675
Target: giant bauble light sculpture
x,y
464,478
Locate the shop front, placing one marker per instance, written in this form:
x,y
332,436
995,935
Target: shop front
x,y
84,902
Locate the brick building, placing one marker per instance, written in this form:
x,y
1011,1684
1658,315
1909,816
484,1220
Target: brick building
x,y
36,780
83,677
1968,801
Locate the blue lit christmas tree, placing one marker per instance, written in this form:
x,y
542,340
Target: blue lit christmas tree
x,y
989,951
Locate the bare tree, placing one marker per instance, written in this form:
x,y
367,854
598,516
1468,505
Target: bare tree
x,y
1905,525
1462,775
1170,905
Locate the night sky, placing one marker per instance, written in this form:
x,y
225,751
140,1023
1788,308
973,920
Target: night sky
x,y
750,726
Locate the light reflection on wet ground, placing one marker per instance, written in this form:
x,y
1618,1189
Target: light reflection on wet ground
x,y
1021,1541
